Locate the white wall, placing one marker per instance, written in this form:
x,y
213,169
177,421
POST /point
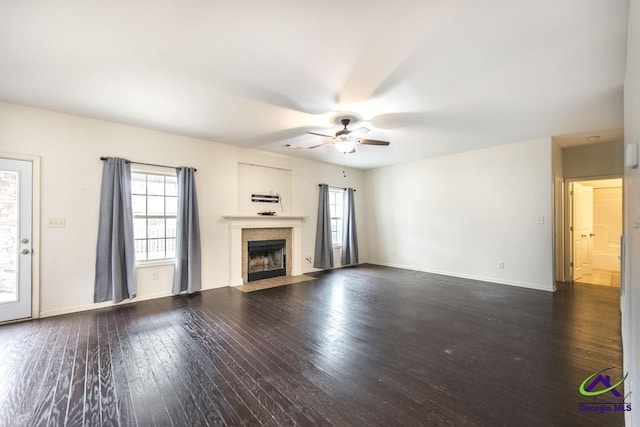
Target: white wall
x,y
258,179
593,160
70,148
463,214
631,282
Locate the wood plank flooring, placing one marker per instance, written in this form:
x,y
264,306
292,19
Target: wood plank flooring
x,y
358,346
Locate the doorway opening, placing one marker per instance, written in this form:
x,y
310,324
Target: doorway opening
x,y
594,231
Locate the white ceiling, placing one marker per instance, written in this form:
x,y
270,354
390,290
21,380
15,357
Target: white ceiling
x,y
432,76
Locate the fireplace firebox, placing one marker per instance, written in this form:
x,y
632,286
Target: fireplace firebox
x,y
266,258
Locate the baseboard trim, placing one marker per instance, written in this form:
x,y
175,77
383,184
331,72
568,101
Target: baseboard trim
x,y
99,305
536,286
335,267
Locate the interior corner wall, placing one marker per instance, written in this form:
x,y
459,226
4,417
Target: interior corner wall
x,y
631,274
557,159
465,214
70,148
593,160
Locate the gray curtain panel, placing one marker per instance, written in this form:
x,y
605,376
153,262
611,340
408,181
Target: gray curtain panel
x,y
349,233
115,255
187,275
324,248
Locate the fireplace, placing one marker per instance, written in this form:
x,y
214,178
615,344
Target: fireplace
x,y
266,258
246,228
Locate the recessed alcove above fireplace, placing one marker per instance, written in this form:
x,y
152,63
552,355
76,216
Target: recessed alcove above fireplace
x,y
246,227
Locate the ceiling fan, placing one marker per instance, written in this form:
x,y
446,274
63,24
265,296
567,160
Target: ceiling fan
x,y
345,140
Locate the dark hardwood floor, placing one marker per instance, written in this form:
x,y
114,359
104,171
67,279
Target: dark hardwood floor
x,y
358,346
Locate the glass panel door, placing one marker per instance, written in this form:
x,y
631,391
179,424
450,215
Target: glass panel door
x,y
15,239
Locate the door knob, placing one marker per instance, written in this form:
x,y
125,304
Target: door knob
x,y
25,251
584,236
591,234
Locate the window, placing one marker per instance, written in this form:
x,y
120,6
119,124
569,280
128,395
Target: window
x,y
155,205
336,197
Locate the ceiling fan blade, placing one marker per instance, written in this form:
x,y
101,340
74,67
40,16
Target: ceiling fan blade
x,y
359,131
279,136
320,134
373,142
319,145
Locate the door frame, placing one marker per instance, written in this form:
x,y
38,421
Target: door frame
x,y
35,230
559,192
568,214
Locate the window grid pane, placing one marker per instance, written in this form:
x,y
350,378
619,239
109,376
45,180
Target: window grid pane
x,y
156,248
171,247
171,205
155,209
335,211
155,185
171,186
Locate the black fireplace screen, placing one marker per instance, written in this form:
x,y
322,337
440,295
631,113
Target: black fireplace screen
x,y
266,258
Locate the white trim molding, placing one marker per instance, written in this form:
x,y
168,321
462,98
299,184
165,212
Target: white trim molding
x,y
536,286
106,304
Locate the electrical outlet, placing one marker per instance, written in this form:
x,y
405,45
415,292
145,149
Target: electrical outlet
x,y
501,265
540,220
154,275
56,223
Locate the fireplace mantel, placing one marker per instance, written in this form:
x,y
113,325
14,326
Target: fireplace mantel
x,y
240,221
243,216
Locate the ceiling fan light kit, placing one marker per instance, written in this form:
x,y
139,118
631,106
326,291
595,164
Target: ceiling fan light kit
x,y
346,145
345,140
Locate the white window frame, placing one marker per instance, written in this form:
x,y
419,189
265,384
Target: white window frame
x,y
336,212
157,261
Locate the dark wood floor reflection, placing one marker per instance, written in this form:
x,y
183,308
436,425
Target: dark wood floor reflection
x,y
358,346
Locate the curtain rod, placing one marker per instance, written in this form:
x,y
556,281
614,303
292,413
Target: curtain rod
x,y
147,164
320,185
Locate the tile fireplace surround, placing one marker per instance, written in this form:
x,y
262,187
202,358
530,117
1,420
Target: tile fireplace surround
x,y
287,224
